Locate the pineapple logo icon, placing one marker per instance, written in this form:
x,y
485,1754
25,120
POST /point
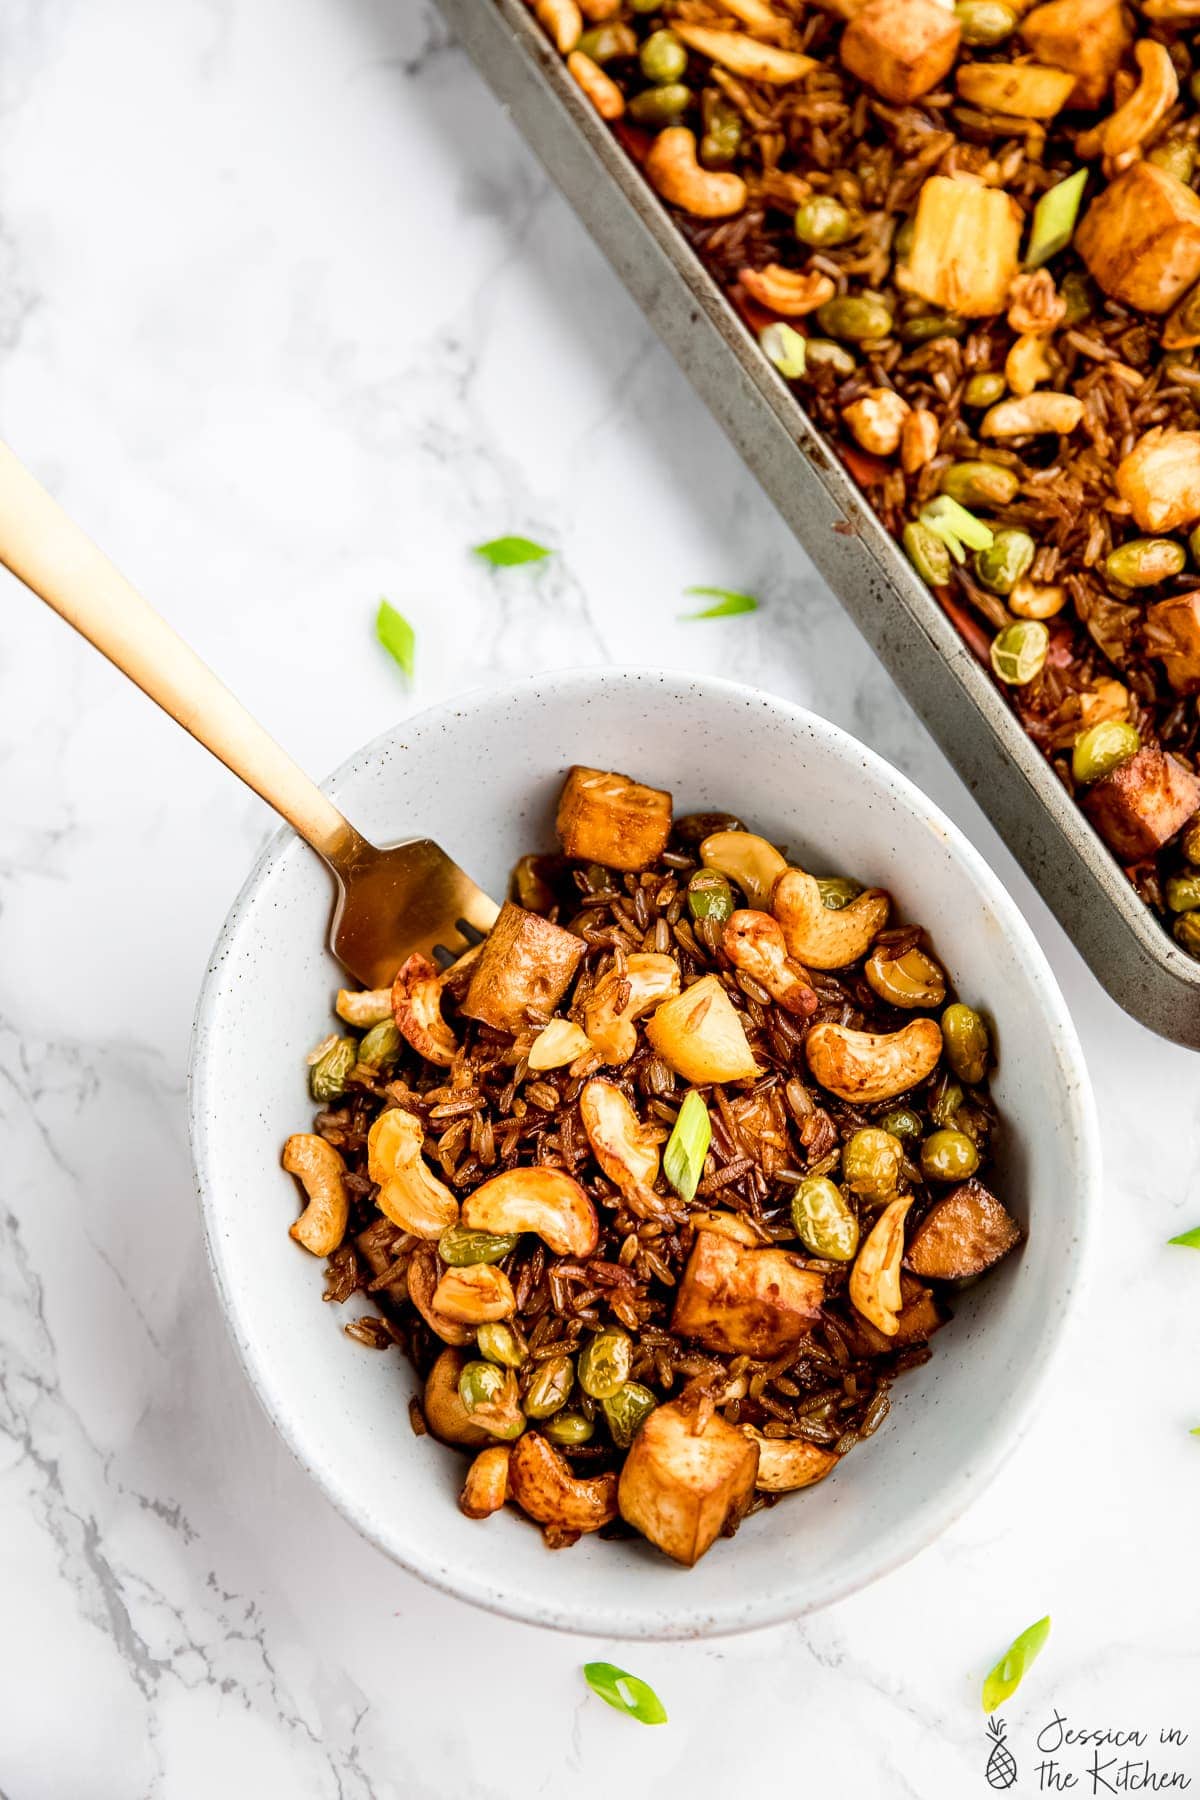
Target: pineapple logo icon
x,y
1001,1764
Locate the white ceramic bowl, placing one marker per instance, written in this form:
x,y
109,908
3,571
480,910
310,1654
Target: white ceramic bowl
x,y
481,775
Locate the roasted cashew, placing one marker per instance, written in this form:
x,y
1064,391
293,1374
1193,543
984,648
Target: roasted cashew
x,y
321,1173
541,1483
1035,306
875,1277
445,1414
1028,364
1120,137
822,937
919,437
474,1295
747,859
731,1225
558,1043
364,1006
761,19
789,292
862,1066
422,1282
876,419
562,22
608,1019
486,1488
546,1201
754,943
785,1464
1044,410
417,1010
674,172
410,1194
745,55
626,1149
600,88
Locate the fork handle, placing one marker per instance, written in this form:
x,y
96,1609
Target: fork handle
x,y
50,554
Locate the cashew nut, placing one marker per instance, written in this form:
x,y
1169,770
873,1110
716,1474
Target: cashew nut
x,y
486,1488
474,1295
877,419
790,292
754,943
559,1042
321,1172
546,1201
875,1277
364,1006
626,1149
417,1010
861,1066
562,22
1044,410
823,937
731,1225
785,1464
1028,364
745,55
747,859
541,1483
759,18
410,1194
445,1414
674,172
1118,139
919,436
600,88
617,1000
422,1282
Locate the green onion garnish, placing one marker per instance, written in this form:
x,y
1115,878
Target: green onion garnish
x,y
397,636
728,603
510,552
626,1692
784,346
1190,1238
1054,219
1021,1654
687,1147
955,526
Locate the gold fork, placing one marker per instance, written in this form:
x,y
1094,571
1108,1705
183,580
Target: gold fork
x,y
389,902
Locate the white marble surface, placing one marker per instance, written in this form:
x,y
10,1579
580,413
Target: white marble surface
x,y
289,318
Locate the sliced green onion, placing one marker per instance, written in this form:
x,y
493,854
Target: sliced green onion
x,y
397,636
617,1687
955,526
687,1147
785,347
510,552
1189,1238
1195,1431
728,604
1054,219
1020,1656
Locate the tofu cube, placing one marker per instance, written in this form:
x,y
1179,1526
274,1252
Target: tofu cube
x,y
962,1235
1143,804
919,1317
1087,37
901,48
965,248
681,1489
1160,479
608,818
1172,633
525,963
746,1302
1140,238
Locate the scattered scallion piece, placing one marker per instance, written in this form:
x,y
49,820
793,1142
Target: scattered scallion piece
x,y
1020,1656
687,1147
955,526
397,636
616,1687
1195,1431
1190,1238
784,346
1054,219
510,552
728,604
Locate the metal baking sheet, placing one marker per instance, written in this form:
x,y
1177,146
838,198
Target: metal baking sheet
x,y
1121,939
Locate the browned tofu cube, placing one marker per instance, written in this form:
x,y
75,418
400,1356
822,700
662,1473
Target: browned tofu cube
x,y
1087,37
962,1235
1140,238
1143,804
740,1301
1172,633
901,48
965,249
526,964
919,1317
1160,479
680,1489
607,818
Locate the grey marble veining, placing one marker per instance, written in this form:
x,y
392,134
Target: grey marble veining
x,y
289,318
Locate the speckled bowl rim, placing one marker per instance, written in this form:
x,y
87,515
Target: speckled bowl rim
x,y
958,1492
